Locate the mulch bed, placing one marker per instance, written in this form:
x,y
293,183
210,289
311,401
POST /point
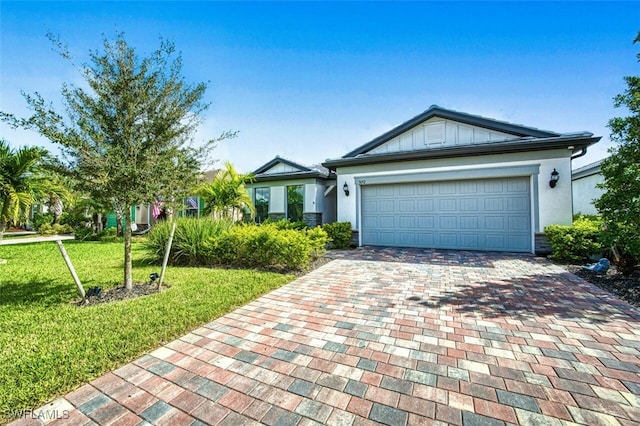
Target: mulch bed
x,y
625,288
120,293
144,289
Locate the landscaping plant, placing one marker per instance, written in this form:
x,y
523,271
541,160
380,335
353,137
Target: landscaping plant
x,y
339,234
619,205
577,242
126,132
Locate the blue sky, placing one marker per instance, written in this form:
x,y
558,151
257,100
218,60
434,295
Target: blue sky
x,y
310,81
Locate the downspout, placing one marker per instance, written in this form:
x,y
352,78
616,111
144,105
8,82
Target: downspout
x,y
583,152
573,157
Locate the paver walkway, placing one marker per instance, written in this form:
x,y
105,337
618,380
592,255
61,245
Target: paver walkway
x,y
407,337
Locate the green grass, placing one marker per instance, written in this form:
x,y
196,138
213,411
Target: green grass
x,y
50,346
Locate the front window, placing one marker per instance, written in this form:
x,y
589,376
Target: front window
x,y
261,202
295,202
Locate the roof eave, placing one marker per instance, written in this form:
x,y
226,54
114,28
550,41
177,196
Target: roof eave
x,y
313,174
522,145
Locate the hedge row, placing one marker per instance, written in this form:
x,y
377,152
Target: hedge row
x,y
208,242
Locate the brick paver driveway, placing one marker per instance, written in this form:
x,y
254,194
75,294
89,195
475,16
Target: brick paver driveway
x,y
395,337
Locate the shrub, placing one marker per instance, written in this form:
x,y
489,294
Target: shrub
x,y
318,238
575,243
339,234
48,229
188,242
75,219
84,233
266,246
286,224
40,219
109,235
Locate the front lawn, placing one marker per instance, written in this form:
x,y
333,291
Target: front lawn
x,y
49,346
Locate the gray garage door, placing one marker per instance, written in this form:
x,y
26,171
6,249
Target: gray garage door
x,y
481,214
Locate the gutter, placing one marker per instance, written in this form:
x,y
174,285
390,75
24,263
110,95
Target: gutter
x,y
581,141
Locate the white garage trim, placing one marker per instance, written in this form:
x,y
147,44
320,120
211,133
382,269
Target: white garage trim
x,y
465,174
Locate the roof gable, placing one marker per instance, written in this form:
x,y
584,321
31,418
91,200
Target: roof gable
x,y
280,165
439,127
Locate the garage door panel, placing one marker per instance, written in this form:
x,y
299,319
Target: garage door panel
x,y
426,222
386,206
386,236
471,241
483,214
494,204
425,239
518,186
518,240
426,206
448,222
468,187
448,205
518,204
406,190
495,223
518,223
386,222
495,242
469,205
406,239
469,222
447,188
449,240
407,206
424,190
493,187
407,222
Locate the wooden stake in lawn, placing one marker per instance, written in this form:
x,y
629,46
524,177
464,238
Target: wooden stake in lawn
x,y
166,254
67,260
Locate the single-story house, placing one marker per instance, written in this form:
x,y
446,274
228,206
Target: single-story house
x,y
283,189
585,190
451,180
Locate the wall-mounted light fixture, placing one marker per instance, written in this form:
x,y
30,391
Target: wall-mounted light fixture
x,y
345,188
554,178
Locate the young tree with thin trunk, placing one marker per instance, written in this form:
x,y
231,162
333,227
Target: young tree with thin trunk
x,y
128,137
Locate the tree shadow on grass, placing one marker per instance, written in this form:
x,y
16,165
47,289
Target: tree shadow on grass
x,y
563,296
39,292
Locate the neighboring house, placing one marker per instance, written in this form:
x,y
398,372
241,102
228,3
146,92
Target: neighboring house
x,y
451,180
585,190
283,189
143,215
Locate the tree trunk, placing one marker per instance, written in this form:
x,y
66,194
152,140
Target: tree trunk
x,y
56,208
128,280
4,212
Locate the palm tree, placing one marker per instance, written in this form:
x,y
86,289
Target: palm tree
x,y
54,190
227,194
18,173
